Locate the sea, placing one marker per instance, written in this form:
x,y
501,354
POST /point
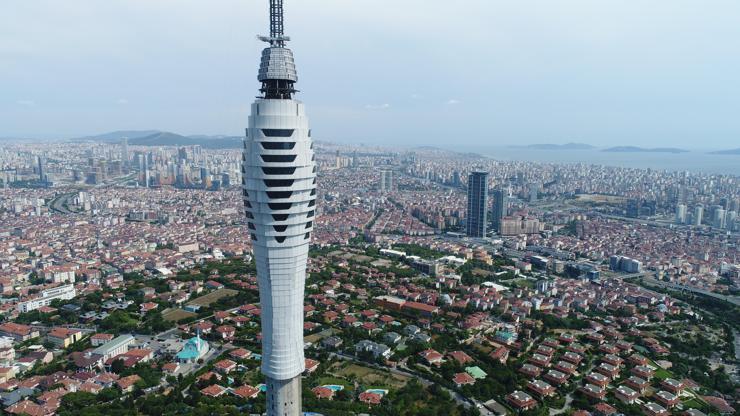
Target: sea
x,y
700,161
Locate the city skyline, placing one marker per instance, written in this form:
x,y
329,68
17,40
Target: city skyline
x,y
394,256
605,74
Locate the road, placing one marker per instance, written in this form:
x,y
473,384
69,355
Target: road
x,y
58,204
735,300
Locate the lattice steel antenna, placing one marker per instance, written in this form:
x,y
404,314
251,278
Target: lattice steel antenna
x,y
277,36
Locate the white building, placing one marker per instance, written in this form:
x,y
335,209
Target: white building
x,y
65,292
116,347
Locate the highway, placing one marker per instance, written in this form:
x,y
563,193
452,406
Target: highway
x,y
735,300
650,281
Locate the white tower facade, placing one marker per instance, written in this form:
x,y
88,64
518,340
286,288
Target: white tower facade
x,y
279,189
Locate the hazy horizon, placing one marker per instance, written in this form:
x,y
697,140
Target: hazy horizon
x,y
651,74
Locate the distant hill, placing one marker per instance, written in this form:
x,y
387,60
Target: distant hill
x,y
727,152
550,146
635,149
116,136
164,138
173,139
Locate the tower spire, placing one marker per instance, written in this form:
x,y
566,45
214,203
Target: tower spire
x,y
277,36
276,19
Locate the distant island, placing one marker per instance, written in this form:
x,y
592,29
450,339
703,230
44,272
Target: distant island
x,y
635,149
727,152
550,146
164,138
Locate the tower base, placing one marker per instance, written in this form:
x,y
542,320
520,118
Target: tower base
x,y
284,397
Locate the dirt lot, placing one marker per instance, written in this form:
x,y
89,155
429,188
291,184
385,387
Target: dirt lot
x,y
175,315
206,300
600,199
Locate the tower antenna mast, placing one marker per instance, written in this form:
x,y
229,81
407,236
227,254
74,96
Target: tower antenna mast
x,y
277,36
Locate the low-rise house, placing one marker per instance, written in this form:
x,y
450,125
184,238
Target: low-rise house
x,y
593,391
666,398
63,337
501,354
521,400
332,342
246,392
539,360
598,379
643,371
370,398
18,332
323,393
626,394
432,357
572,357
541,388
530,370
608,370
100,339
462,379
214,390
461,357
556,377
565,367
637,383
673,385
126,384
240,354
377,350
654,409
225,366
476,372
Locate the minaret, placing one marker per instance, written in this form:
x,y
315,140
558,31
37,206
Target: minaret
x,y
280,202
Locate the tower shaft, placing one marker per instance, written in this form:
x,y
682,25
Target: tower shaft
x,y
279,189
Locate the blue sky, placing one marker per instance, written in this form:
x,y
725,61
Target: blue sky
x,y
473,72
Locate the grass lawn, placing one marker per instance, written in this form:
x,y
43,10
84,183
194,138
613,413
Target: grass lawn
x,y
522,283
212,297
371,377
323,381
660,372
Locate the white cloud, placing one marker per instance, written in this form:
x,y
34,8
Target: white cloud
x,y
377,106
122,101
27,103
453,101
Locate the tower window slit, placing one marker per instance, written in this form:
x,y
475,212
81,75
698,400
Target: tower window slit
x,y
279,194
275,183
278,158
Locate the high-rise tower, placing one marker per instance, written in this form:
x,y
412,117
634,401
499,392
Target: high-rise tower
x,y
42,169
499,208
386,180
124,155
477,217
280,202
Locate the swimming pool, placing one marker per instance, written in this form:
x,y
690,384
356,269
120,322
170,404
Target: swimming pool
x,y
377,391
334,387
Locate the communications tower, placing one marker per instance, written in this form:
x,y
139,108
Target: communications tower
x,y
279,189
